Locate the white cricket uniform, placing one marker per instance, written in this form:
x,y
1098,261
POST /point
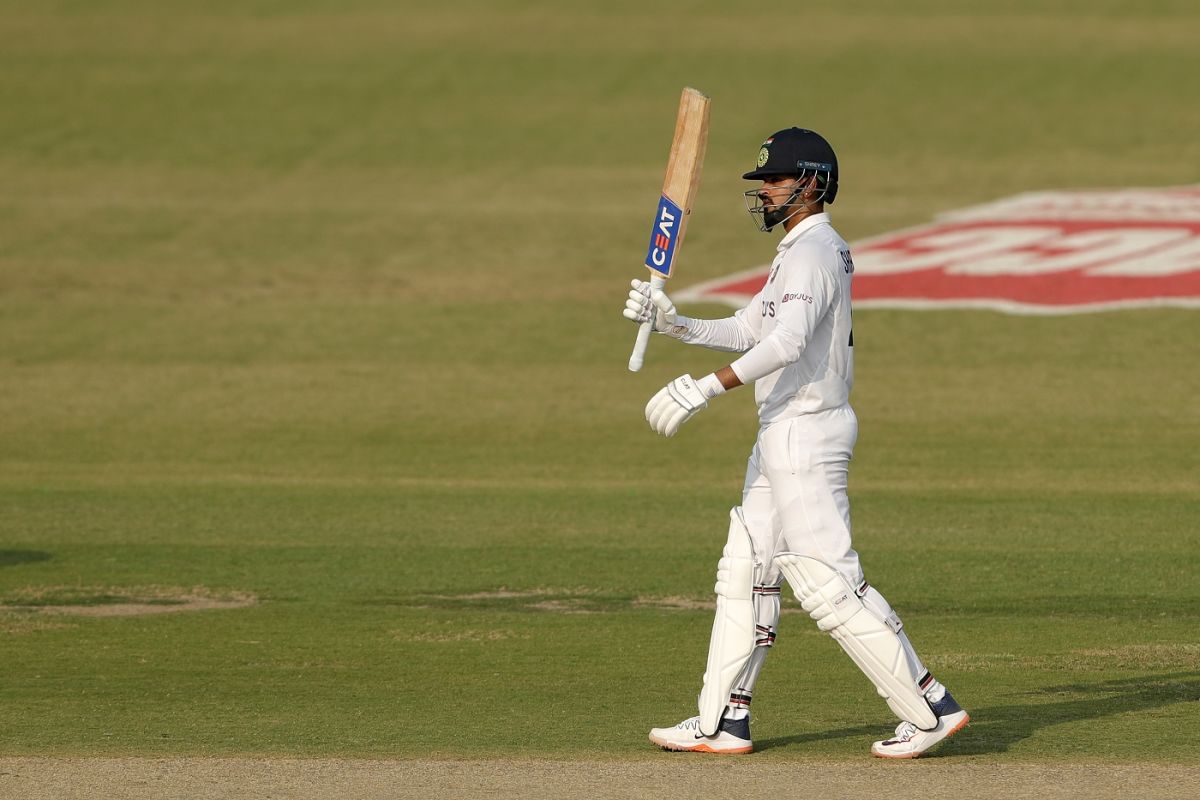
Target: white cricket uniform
x,y
798,350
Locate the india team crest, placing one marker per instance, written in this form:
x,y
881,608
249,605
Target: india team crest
x,y
1037,253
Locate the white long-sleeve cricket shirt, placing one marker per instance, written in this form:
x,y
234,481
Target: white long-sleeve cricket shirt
x,y
795,334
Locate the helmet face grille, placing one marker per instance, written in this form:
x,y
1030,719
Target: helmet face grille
x,y
767,218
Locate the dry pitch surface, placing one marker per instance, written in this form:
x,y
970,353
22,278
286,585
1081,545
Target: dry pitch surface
x,y
670,776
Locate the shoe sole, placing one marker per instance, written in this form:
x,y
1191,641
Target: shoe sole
x,y
701,748
962,724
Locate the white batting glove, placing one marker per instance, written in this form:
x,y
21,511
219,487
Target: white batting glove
x,y
645,301
679,400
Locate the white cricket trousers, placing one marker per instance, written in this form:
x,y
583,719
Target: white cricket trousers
x,y
794,499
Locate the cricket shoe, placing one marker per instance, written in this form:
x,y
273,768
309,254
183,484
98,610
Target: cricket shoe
x,y
910,741
732,737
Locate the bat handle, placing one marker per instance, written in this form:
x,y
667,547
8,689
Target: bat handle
x,y
645,329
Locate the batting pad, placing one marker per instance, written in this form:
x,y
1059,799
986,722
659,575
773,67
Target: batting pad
x,y
732,639
869,641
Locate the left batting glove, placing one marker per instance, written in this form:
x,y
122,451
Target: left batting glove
x,y
679,400
646,304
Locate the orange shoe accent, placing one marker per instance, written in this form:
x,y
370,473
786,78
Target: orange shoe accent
x,y
706,749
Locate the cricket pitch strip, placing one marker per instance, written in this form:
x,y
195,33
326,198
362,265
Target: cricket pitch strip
x,y
672,775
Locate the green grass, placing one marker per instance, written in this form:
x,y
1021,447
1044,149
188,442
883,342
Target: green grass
x,y
317,302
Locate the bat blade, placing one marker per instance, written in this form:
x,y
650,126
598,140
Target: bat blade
x,y
680,183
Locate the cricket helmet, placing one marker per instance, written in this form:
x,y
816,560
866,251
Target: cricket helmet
x,y
802,153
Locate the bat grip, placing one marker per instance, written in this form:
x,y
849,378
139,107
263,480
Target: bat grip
x,y
645,329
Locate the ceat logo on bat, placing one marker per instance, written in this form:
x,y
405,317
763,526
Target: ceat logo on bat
x,y
1037,253
663,237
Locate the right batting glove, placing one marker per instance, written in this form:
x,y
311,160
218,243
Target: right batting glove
x,y
679,400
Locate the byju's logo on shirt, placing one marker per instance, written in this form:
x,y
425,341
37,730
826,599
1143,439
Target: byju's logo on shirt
x,y
798,296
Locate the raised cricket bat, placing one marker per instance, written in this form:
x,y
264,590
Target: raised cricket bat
x,y
678,193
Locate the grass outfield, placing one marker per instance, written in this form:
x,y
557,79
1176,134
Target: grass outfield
x,y
311,308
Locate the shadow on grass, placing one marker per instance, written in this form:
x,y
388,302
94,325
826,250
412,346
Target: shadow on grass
x,y
10,558
994,729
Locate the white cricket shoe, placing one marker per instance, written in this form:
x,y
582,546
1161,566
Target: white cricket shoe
x,y
910,741
732,737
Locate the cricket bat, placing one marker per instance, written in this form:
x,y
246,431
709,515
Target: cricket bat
x,y
678,193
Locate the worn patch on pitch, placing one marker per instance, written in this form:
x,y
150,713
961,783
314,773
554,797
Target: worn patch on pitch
x,y
677,603
556,600
1038,253
108,601
559,601
473,635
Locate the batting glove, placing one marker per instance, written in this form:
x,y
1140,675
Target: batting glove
x,y
646,303
679,400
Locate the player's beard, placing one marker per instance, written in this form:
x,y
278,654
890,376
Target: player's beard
x,y
772,217
783,212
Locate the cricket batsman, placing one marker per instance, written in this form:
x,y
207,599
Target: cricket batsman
x,y
797,347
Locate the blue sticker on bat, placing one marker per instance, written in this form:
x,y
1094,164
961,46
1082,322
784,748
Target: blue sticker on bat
x,y
663,237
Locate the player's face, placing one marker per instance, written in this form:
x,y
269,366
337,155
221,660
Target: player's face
x,y
776,190
778,200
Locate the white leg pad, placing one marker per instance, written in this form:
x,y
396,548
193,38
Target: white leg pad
x,y
732,640
872,643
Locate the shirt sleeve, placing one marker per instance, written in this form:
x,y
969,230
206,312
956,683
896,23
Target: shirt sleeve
x,y
807,295
735,334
